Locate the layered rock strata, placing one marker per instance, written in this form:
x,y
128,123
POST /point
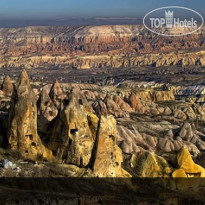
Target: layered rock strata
x,y
97,46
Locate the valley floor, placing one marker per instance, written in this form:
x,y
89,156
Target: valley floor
x,y
137,124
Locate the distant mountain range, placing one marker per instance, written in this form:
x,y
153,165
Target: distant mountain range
x,y
71,22
112,46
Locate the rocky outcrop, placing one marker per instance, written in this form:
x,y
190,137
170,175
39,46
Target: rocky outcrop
x,y
162,136
22,135
113,105
124,107
187,167
79,138
136,104
156,96
147,164
104,130
103,60
117,106
108,156
46,106
163,96
100,108
7,87
74,132
131,141
56,94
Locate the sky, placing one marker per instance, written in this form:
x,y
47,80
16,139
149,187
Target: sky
x,y
65,9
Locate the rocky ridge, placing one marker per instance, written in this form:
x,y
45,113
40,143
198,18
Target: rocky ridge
x,y
97,46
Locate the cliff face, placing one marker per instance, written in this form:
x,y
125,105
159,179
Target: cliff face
x,y
97,46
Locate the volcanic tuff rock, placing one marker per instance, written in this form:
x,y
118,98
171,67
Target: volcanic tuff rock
x,y
117,106
47,107
156,96
131,141
56,94
108,156
75,123
7,86
187,167
97,46
23,136
136,104
150,165
74,132
78,137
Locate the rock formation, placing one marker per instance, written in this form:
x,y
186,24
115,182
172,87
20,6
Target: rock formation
x,y
108,156
131,141
189,175
187,167
7,87
108,46
125,107
22,135
104,130
46,106
135,103
148,164
75,130
117,106
56,94
100,108
79,138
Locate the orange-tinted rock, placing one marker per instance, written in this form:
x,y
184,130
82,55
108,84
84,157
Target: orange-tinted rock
x,y
188,169
22,135
161,96
56,94
1,93
108,156
148,164
65,47
75,131
114,108
122,104
185,163
136,104
47,108
7,86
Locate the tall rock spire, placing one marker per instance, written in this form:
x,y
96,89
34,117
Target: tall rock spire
x,y
108,156
22,135
7,86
